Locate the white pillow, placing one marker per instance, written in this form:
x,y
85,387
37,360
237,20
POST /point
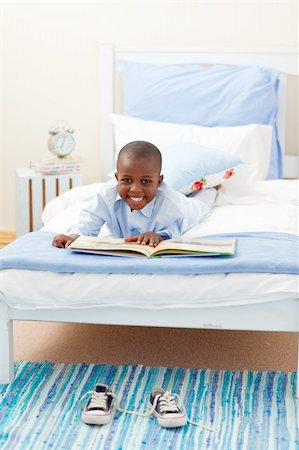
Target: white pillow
x,y
250,143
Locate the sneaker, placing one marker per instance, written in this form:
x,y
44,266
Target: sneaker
x,y
165,406
100,407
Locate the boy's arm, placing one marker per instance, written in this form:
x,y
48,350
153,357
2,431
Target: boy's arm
x,y
90,220
63,240
89,224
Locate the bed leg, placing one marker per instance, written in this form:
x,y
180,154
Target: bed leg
x,y
6,345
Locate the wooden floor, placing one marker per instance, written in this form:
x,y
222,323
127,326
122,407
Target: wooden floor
x,y
6,237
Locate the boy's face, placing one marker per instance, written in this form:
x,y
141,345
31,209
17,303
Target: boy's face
x,y
138,180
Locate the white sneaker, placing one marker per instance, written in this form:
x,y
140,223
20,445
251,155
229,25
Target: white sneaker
x,y
165,406
100,407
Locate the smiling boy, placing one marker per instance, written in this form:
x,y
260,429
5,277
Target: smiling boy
x,y
138,206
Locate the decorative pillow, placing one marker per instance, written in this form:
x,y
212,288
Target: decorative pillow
x,y
189,167
218,95
249,143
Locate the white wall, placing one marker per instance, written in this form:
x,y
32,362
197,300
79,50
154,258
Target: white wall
x,y
50,64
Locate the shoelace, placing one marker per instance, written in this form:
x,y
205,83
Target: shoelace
x,y
99,399
166,403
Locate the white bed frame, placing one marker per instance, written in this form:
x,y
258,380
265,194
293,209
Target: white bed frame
x,y
280,316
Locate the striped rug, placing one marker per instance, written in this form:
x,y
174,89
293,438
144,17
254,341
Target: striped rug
x,y
248,410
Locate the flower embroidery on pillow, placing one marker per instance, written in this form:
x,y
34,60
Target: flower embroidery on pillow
x,y
198,185
208,181
229,173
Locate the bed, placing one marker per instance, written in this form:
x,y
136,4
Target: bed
x,y
257,301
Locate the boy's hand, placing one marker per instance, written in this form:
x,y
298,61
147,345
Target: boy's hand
x,y
63,241
148,238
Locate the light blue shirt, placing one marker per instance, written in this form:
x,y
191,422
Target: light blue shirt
x,y
169,214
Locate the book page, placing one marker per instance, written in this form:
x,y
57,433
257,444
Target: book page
x,y
109,244
222,246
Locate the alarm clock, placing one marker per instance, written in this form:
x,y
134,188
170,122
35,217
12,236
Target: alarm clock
x,y
61,140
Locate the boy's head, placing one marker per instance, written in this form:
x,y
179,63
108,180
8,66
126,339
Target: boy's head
x,y
138,173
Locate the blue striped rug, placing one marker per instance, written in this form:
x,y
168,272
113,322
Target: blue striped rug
x,y
248,410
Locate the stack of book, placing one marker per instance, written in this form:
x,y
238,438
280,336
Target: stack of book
x,y
56,166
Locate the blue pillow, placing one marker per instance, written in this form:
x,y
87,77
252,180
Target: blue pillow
x,y
209,96
189,167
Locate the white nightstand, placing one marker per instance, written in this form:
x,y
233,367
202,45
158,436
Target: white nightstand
x,y
34,191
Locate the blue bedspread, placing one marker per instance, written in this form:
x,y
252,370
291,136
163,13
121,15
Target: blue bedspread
x,y
256,252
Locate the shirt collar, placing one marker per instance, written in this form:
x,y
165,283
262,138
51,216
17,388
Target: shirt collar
x,y
146,211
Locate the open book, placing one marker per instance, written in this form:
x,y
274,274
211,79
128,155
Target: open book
x,y
170,247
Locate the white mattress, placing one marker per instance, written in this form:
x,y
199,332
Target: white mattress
x,y
266,206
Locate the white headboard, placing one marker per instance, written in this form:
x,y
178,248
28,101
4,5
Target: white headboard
x,y
284,60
